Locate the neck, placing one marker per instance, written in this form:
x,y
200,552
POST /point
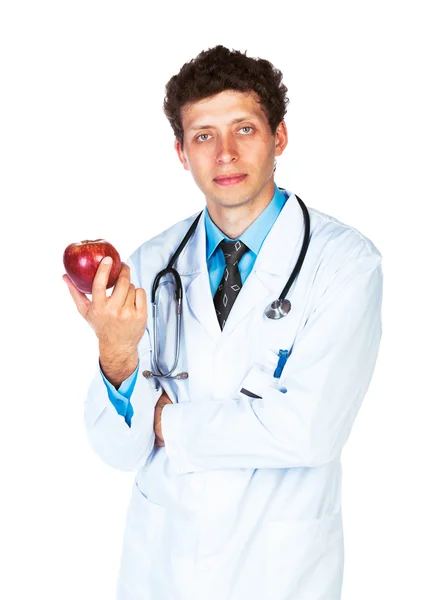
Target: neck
x,y
234,219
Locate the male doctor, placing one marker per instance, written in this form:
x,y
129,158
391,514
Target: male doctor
x,y
238,474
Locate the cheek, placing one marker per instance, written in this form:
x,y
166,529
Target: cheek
x,y
199,172
262,157
260,147
200,162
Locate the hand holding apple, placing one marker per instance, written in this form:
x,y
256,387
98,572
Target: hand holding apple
x,y
119,320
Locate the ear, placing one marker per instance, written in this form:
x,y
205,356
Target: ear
x,y
181,154
281,138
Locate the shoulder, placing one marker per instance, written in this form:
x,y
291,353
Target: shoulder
x,y
328,234
168,239
343,257
339,255
334,236
156,252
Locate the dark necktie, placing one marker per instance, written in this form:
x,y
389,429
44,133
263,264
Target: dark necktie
x,y
230,284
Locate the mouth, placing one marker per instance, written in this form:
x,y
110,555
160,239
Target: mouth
x,y
233,179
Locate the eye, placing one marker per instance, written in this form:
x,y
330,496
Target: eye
x,y
203,137
246,129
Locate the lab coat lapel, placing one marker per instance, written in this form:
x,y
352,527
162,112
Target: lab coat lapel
x,y
193,270
272,267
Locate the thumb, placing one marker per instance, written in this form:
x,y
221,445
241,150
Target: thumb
x,y
80,299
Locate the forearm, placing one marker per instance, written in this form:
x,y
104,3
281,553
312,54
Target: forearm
x,y
307,426
303,419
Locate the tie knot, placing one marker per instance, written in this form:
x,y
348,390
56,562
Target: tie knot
x,y
233,251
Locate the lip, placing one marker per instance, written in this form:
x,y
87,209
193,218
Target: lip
x,y
230,179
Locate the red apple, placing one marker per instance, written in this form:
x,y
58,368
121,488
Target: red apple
x,y
81,261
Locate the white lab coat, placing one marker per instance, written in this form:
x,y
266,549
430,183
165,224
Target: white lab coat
x,y
243,501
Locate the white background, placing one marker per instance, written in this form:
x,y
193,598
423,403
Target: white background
x,y
86,152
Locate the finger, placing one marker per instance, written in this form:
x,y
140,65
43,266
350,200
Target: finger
x,y
99,285
130,298
80,299
118,297
141,301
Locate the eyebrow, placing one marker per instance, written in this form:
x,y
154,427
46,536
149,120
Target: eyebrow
x,y
233,122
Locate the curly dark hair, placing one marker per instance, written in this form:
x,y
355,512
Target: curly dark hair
x,y
219,69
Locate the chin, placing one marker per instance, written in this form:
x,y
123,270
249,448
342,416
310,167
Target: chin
x,y
235,199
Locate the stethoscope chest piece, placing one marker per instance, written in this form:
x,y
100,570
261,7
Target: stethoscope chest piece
x,y
278,309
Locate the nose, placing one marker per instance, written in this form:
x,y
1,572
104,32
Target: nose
x,y
226,149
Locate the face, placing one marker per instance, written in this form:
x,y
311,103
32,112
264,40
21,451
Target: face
x,y
230,149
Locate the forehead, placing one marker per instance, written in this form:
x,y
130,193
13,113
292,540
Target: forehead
x,y
222,108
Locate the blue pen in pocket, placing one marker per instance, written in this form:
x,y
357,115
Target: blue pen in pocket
x,y
283,356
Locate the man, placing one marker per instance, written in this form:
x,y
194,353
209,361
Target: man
x,y
238,485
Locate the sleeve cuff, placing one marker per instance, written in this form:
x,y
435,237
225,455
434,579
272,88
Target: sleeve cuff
x,y
126,388
120,398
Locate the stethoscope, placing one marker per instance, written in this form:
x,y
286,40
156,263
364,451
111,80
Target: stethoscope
x,y
276,310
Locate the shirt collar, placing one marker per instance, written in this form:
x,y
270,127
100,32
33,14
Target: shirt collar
x,y
254,236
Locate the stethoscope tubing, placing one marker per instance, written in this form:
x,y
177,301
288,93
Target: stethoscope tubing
x,y
304,247
273,308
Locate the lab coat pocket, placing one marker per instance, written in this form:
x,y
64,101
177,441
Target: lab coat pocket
x,y
305,558
142,541
261,376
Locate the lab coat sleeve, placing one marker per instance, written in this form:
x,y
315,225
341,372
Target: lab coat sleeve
x,y
117,444
303,419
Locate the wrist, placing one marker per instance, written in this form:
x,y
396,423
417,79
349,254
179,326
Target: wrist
x,y
117,364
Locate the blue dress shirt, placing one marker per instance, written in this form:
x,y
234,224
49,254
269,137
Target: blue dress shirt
x,y
253,238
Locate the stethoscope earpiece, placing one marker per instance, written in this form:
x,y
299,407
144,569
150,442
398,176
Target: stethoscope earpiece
x,y
182,375
151,374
